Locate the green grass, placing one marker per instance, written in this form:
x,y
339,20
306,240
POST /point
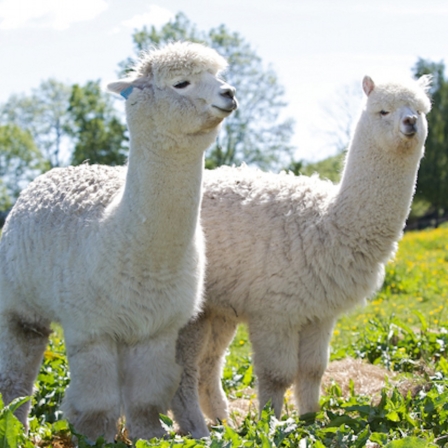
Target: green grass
x,y
416,284
403,328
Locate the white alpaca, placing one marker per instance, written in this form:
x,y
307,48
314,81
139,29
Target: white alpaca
x,y
116,255
287,255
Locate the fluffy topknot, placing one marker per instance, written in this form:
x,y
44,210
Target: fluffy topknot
x,y
178,59
412,91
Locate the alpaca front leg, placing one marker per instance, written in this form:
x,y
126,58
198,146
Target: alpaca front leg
x,y
22,344
150,379
212,397
92,401
185,404
313,358
275,358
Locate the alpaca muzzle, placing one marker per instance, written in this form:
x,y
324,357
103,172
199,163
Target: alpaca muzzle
x,y
409,125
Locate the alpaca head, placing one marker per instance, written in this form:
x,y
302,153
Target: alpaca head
x,y
176,91
396,113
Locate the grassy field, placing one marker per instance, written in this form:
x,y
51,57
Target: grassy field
x,y
416,283
403,332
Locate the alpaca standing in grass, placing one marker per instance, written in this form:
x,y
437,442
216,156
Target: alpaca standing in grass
x,y
116,255
287,255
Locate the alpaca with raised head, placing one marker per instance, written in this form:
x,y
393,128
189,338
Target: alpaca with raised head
x,y
287,255
116,255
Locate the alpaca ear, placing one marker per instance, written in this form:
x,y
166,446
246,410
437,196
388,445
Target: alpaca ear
x,y
425,82
368,85
119,86
124,87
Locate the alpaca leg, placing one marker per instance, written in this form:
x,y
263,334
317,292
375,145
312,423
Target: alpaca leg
x,y
275,358
212,397
22,344
313,358
185,404
92,401
151,377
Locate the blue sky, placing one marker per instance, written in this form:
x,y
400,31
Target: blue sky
x,y
318,48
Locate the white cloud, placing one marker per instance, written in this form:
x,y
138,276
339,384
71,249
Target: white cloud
x,y
56,14
155,15
419,9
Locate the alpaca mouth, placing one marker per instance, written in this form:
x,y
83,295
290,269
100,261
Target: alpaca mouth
x,y
233,105
409,133
226,111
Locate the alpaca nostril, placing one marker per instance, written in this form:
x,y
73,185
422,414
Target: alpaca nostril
x,y
410,120
229,92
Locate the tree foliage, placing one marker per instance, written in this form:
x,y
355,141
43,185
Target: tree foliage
x,y
44,115
432,183
69,124
98,133
20,161
255,133
55,125
329,168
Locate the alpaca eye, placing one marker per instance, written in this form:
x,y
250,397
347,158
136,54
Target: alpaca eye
x,y
182,85
384,113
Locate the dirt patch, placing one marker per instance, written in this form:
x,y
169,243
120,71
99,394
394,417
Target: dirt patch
x,y
367,380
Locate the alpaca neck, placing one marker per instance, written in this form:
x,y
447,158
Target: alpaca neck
x,y
159,207
375,192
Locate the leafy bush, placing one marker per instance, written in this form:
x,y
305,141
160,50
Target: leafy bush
x,y
11,430
399,347
51,383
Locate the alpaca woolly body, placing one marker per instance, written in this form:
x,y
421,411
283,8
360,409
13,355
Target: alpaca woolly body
x,y
287,255
116,255
73,204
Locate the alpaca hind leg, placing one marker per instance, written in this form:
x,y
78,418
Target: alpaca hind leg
x,y
313,359
22,344
275,358
212,397
185,403
92,401
150,379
